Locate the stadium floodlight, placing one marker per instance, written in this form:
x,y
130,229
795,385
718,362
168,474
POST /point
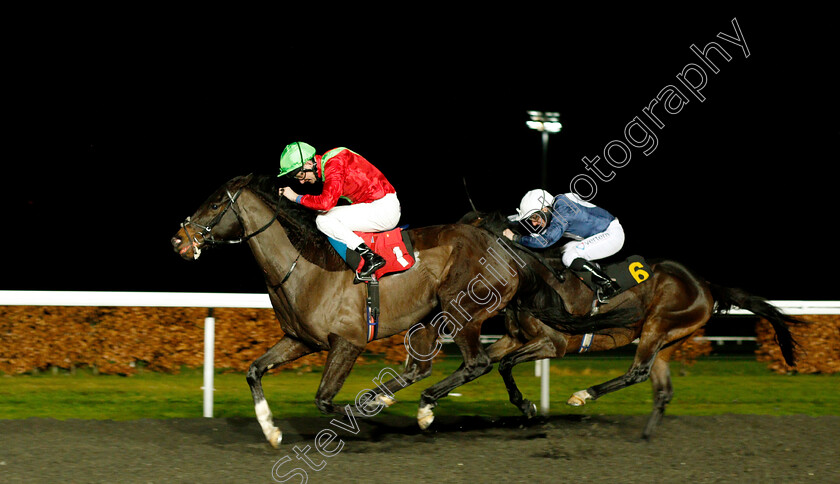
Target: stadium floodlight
x,y
546,123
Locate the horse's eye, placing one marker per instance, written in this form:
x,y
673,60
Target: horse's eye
x,y
214,206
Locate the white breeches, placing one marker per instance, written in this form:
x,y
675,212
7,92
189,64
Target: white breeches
x,y
595,247
377,216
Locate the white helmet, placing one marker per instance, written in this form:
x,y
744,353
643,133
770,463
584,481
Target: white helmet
x,y
533,201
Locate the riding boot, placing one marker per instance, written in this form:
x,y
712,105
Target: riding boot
x,y
607,288
372,261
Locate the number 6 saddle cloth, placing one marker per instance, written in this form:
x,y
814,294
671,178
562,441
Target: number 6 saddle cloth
x,y
628,273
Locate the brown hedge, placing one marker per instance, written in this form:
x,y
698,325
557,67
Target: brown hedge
x,y
692,348
818,350
116,340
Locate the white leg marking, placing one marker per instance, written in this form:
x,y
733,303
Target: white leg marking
x,y
579,398
425,416
379,402
264,417
385,400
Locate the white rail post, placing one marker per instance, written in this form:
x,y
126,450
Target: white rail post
x,y
544,387
209,347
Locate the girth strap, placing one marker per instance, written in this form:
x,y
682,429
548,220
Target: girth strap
x,y
372,309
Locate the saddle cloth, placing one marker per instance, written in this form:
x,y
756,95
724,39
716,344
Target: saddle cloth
x,y
628,273
394,245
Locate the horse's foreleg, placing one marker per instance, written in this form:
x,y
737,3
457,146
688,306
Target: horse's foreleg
x,y
497,351
502,347
551,344
510,341
660,379
287,349
509,351
340,361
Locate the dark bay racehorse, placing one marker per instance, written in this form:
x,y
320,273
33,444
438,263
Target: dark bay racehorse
x,y
319,308
671,306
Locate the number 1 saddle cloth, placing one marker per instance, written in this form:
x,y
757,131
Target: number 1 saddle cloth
x,y
394,245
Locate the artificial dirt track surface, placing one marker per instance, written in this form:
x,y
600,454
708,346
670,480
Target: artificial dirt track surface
x,y
728,448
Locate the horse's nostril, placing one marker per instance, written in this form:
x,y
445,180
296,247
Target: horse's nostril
x,y
176,241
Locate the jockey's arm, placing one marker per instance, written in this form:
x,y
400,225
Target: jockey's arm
x,y
547,238
333,187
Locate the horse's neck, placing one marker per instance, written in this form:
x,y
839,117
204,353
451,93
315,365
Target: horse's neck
x,y
272,249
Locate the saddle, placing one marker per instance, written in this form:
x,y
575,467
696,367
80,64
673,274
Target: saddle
x,y
397,249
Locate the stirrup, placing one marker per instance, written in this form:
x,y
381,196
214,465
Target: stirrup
x,y
374,266
599,294
357,278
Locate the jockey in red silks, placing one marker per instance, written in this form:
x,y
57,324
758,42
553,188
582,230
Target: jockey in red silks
x,y
374,206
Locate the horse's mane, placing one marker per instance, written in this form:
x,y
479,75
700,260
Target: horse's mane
x,y
496,222
299,223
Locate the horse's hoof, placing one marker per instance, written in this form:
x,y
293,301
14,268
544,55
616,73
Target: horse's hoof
x,y
275,437
378,403
385,400
578,399
425,417
531,410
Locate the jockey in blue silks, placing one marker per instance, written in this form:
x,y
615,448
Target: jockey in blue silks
x,y
596,233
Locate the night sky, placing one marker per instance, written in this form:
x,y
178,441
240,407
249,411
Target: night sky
x,y
121,131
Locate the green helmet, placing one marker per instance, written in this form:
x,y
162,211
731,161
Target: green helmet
x,y
294,156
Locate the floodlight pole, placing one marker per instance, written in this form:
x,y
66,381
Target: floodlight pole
x,y
545,123
544,177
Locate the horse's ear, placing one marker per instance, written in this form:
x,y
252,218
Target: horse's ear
x,y
239,181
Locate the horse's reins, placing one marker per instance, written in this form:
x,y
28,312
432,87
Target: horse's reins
x,y
207,236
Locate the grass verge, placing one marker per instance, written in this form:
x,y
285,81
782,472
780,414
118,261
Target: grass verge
x,y
710,387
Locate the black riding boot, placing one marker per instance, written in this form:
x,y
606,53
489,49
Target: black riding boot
x,y
607,288
373,261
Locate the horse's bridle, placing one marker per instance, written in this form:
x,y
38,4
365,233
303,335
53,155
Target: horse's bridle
x,y
205,231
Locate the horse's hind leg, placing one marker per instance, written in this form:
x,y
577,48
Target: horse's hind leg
x,y
287,349
476,363
660,379
639,371
422,348
658,334
340,361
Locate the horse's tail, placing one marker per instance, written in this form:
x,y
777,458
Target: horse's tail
x,y
542,301
727,297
